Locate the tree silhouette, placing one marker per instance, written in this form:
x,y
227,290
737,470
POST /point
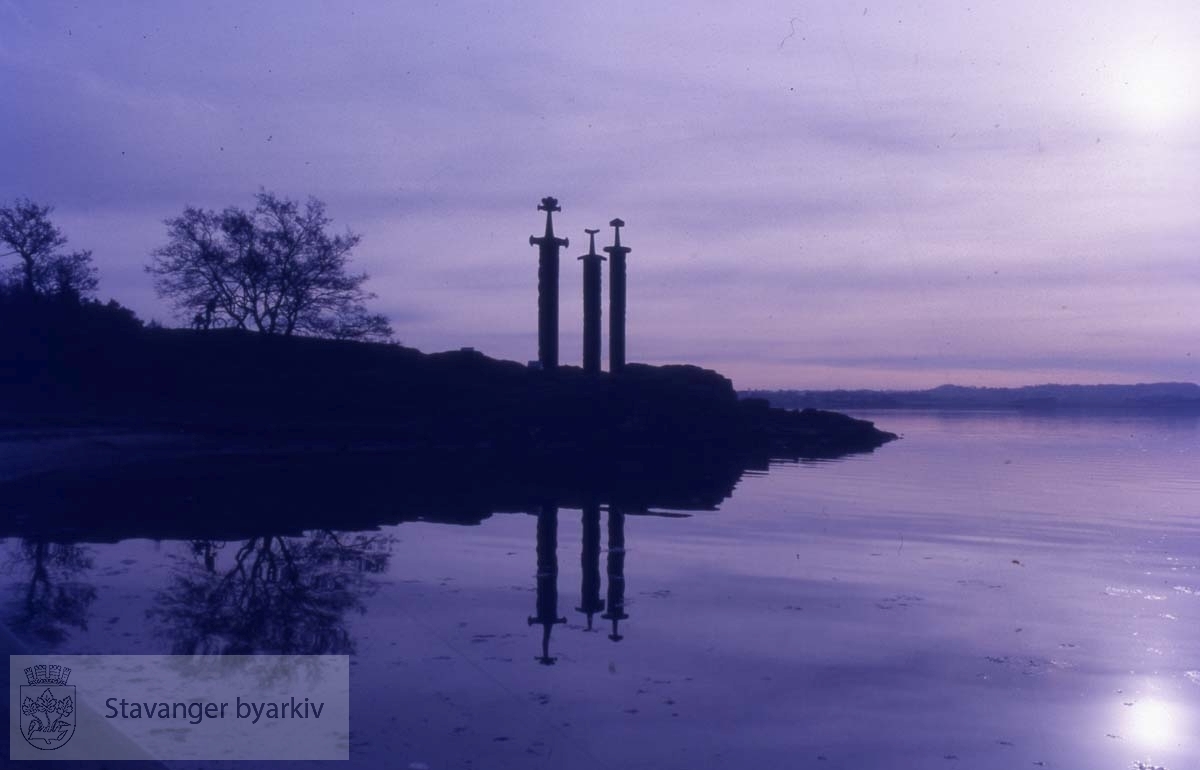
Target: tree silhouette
x,y
280,595
275,269
53,598
43,266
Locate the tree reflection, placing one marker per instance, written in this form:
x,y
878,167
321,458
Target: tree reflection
x,y
276,595
52,599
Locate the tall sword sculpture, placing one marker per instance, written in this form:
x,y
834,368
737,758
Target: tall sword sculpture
x,y
591,306
548,246
616,300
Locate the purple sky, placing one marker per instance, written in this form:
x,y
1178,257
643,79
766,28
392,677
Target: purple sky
x,y
818,194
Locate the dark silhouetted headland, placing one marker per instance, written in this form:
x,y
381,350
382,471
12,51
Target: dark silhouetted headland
x,y
378,423
246,384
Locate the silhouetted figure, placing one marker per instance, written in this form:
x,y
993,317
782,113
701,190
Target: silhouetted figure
x,y
204,320
548,246
616,299
207,550
589,559
616,570
591,306
547,578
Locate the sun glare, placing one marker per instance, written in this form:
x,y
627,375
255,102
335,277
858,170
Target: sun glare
x,y
1151,724
1156,88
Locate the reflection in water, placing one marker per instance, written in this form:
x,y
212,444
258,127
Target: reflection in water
x,y
280,595
589,560
898,574
206,550
51,599
616,570
547,578
238,496
590,602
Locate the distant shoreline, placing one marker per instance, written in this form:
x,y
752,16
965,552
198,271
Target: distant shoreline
x,y
1160,397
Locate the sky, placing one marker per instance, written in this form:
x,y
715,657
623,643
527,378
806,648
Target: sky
x,y
817,194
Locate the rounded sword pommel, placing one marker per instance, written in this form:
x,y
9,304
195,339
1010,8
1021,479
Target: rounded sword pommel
x,y
616,248
590,232
549,204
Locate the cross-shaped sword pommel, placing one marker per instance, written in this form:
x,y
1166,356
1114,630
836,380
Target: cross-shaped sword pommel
x,y
548,205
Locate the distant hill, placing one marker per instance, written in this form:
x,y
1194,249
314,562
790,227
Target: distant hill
x,y
1157,396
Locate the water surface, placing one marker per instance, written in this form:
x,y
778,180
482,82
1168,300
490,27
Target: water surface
x,y
993,591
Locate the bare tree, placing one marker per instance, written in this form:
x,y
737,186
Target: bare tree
x,y
276,595
275,269
54,598
43,267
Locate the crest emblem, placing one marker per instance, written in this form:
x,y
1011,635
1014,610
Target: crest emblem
x,y
47,707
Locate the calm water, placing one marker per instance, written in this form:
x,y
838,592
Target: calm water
x,y
990,592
